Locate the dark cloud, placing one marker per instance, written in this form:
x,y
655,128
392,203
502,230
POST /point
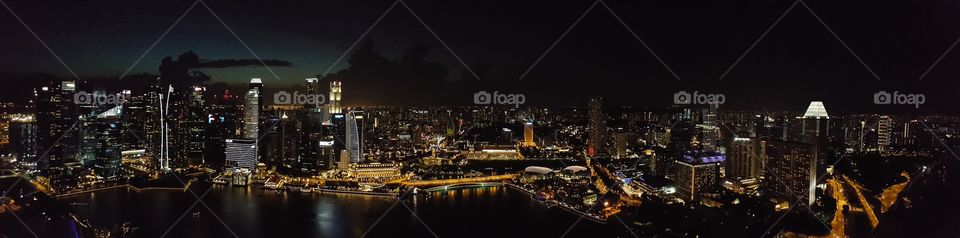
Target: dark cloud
x,y
226,63
372,76
182,72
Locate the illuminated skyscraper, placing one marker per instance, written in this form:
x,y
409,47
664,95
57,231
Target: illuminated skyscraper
x,y
23,137
193,126
257,83
106,127
313,85
908,138
816,130
251,110
884,130
316,145
165,115
326,154
815,124
354,136
336,90
743,159
4,133
791,170
223,121
132,121
151,123
597,127
506,137
241,153
338,128
56,120
313,88
344,161
681,136
698,172
88,128
621,140
280,141
528,135
709,128
100,129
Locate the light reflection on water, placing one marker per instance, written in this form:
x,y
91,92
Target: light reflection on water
x,y
253,212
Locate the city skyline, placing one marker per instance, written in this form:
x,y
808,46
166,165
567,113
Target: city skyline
x,y
415,118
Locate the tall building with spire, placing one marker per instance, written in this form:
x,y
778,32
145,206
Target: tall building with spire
x,y
251,109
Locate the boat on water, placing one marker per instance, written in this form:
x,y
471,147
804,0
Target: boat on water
x,y
273,183
366,187
221,181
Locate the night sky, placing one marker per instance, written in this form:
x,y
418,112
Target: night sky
x,y
797,61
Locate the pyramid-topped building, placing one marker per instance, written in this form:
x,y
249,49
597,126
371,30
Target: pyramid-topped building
x,y
816,110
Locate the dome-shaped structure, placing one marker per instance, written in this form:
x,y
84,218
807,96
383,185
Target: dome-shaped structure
x,y
575,169
537,170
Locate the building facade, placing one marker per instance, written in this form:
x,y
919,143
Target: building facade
x,y
791,170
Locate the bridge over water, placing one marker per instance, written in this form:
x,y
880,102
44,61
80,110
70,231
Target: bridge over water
x,y
443,182
464,185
